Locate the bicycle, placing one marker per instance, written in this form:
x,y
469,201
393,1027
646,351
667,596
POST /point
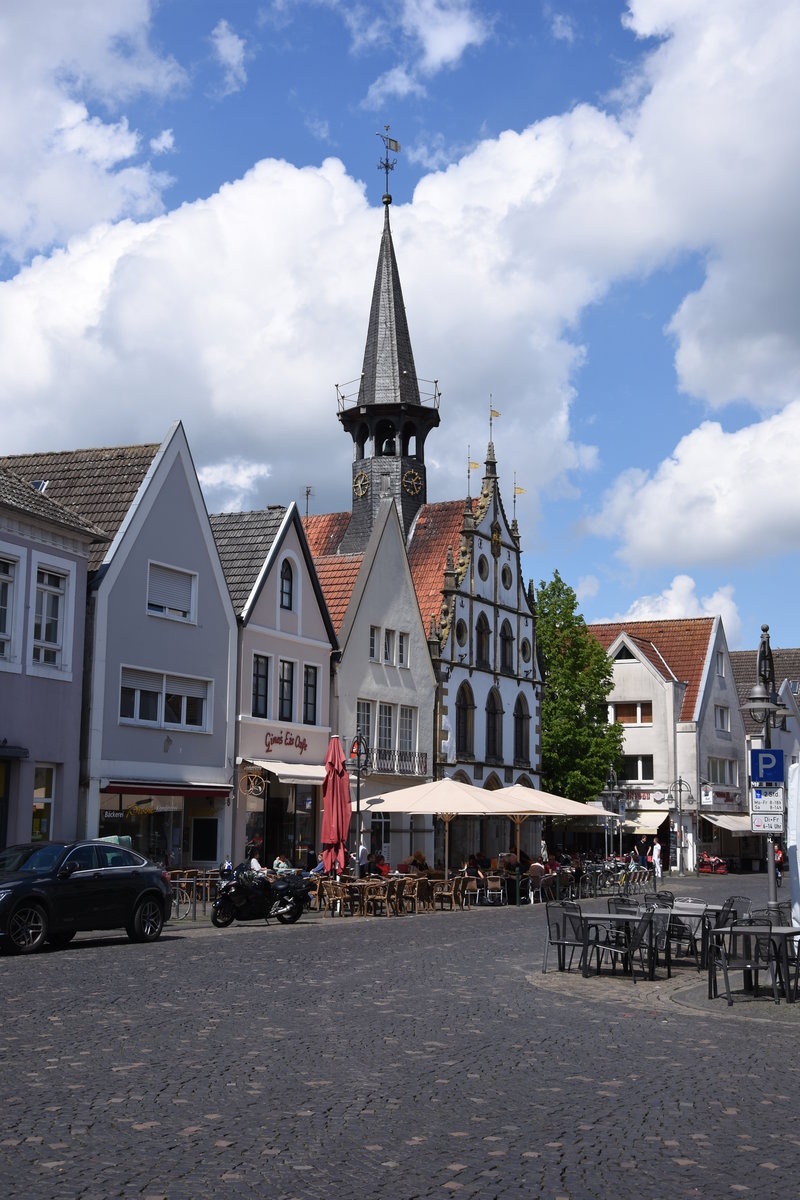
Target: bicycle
x,y
181,901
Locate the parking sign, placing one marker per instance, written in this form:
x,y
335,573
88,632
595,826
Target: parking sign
x,y
766,766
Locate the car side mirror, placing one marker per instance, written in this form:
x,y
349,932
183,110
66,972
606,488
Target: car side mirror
x,y
67,870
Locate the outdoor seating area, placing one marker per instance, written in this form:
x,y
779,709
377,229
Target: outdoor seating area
x,y
655,931
402,894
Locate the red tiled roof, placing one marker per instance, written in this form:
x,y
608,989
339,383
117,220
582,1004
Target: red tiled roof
x,y
337,574
325,532
678,647
437,527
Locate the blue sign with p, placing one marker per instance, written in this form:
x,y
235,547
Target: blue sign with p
x,y
766,766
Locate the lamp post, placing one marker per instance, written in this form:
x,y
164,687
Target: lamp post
x,y
614,793
767,710
676,789
359,751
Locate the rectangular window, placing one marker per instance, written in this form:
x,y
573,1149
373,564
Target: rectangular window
x,y
634,712
6,606
374,636
388,646
402,649
385,727
169,701
364,720
309,695
636,768
259,707
43,797
286,691
724,771
170,592
722,718
720,663
48,625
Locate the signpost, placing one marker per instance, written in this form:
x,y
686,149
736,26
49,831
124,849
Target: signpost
x,y
766,795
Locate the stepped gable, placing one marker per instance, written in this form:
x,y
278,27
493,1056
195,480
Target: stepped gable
x,y
325,532
436,529
17,494
99,486
244,540
337,574
677,649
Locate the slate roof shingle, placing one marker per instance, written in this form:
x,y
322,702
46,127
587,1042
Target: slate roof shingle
x,y
677,649
744,662
18,494
97,485
244,540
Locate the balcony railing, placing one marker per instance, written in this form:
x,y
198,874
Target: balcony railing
x,y
398,762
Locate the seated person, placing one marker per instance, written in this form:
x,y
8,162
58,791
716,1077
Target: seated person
x,y
282,864
536,870
381,864
372,867
472,869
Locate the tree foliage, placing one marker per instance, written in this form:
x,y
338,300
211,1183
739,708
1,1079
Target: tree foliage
x,y
578,744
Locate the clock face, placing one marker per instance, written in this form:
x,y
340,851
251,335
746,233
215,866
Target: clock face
x,y
412,482
361,484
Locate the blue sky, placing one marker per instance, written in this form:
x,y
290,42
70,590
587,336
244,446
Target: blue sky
x,y
595,217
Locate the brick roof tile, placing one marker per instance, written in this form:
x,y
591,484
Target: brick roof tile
x,y
337,574
437,528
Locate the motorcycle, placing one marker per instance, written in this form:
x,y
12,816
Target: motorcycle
x,y
711,864
246,896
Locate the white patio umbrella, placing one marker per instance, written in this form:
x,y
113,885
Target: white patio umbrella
x,y
519,802
442,798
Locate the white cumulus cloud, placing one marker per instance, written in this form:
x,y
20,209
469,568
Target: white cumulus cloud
x,y
680,600
229,50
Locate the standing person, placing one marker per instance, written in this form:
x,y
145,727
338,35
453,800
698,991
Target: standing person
x,y
636,854
656,853
363,856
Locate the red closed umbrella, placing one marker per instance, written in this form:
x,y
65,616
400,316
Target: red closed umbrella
x,y
336,811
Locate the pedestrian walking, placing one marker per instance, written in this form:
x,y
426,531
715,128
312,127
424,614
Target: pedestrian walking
x,y
656,853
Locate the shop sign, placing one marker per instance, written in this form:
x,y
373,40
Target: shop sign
x,y
285,737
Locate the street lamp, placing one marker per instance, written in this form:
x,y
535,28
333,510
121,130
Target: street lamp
x,y
359,753
676,789
768,710
613,791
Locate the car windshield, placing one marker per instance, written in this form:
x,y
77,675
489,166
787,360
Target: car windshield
x,y
30,858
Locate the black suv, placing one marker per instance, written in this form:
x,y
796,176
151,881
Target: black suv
x,y
50,890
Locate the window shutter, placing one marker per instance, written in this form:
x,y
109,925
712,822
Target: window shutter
x,y
146,681
169,589
196,688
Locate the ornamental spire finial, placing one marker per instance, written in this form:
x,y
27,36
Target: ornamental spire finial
x,y
386,164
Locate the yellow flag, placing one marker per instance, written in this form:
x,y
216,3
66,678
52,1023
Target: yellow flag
x,y
393,145
493,412
518,491
474,466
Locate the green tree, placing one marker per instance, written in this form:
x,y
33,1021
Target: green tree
x,y
578,744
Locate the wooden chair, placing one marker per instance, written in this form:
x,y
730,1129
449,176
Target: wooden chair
x,y
376,897
444,889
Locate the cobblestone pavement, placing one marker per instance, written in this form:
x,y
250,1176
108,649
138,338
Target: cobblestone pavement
x,y
405,1057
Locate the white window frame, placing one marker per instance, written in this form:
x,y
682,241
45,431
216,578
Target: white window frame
x,y
165,683
406,722
364,709
722,718
383,710
374,642
160,578
612,713
724,772
68,571
290,662
403,641
389,643
317,676
17,557
721,664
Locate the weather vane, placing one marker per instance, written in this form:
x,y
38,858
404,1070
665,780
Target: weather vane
x,y
386,164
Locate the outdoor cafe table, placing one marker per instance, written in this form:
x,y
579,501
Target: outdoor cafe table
x,y
590,919
780,936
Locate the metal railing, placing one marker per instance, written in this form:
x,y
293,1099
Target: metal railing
x,y
398,762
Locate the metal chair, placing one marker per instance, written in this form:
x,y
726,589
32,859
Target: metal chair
x,y
686,928
495,893
626,949
743,950
474,890
565,932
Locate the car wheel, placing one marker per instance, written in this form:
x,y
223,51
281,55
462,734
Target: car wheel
x,y
148,921
61,939
27,929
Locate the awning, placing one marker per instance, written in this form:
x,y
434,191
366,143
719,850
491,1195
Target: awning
x,y
9,752
644,823
291,772
137,787
735,823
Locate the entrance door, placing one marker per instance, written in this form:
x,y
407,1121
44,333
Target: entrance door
x,y
204,839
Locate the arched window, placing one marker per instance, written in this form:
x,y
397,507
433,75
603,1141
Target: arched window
x,y
465,722
522,732
506,649
287,584
494,727
482,641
